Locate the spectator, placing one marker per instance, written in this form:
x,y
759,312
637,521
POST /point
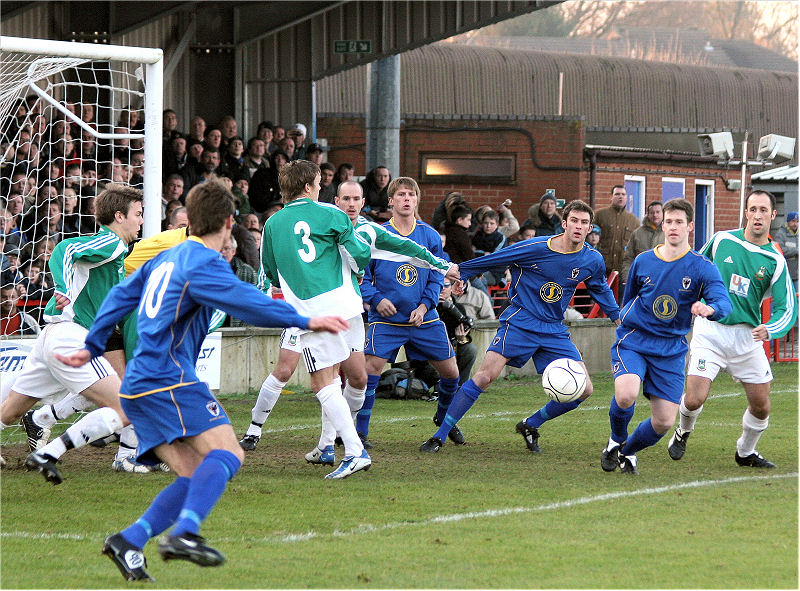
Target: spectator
x,y
12,271
197,129
314,154
488,238
209,166
234,157
645,237
441,212
256,233
12,321
12,237
241,188
213,138
508,223
168,211
298,134
178,219
327,190
457,244
264,188
345,172
246,247
616,225
137,169
170,126
177,157
242,270
256,156
229,129
195,150
593,239
173,191
526,231
264,133
786,237
278,133
250,221
287,145
544,217
38,285
70,219
376,199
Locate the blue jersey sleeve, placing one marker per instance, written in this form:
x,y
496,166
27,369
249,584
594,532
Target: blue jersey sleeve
x,y
516,254
369,293
215,285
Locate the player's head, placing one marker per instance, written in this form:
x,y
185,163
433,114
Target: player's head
x,y
678,222
299,178
577,221
209,206
350,198
120,208
403,193
759,211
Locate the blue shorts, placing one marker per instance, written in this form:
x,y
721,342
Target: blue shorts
x,y
163,417
662,375
427,342
518,345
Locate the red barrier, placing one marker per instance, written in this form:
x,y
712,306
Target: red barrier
x,y
784,348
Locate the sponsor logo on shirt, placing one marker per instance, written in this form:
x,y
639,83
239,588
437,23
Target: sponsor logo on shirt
x,y
551,292
739,285
665,307
406,275
728,259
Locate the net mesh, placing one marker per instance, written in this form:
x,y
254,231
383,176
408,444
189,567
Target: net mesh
x,y
68,127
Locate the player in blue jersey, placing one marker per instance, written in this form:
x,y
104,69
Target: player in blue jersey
x,y
662,294
177,418
545,272
402,300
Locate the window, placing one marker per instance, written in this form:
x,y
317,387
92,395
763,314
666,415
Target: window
x,y
476,168
672,188
637,201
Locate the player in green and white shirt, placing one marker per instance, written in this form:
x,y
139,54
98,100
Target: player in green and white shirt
x,y
84,270
753,269
383,245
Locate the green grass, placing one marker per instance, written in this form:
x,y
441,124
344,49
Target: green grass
x,y
485,515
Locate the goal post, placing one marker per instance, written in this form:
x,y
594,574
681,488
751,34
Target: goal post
x,y
37,67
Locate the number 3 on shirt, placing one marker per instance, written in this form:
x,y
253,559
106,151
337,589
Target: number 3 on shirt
x,y
304,231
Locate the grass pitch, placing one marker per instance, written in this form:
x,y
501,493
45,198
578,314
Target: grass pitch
x,y
488,514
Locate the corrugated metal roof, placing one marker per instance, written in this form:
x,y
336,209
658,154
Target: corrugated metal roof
x,y
782,173
456,79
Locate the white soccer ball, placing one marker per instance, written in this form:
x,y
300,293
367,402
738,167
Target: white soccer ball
x,y
564,380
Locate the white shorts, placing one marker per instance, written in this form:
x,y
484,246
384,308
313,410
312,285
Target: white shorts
x,y
353,336
718,346
43,376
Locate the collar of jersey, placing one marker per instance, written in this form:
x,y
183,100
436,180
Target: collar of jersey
x,y
299,201
558,251
680,256
198,240
414,227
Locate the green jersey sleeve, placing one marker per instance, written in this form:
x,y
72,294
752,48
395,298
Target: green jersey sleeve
x,y
393,247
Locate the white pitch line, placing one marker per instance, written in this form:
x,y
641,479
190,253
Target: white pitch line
x,y
451,518
448,518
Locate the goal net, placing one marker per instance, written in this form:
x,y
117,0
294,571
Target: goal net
x,y
73,118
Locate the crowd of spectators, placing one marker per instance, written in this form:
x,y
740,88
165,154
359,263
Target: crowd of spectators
x,y
53,170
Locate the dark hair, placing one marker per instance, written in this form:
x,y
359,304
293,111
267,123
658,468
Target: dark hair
x,y
617,187
491,215
115,198
578,205
652,203
327,166
263,124
251,141
208,205
772,201
459,211
680,205
294,177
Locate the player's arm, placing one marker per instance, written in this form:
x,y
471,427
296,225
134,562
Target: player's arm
x,y
268,272
388,246
714,293
356,250
784,304
516,254
372,296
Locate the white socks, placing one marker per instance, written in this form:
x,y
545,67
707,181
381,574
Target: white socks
x,y
267,398
752,428
49,414
98,423
687,418
338,413
127,443
354,397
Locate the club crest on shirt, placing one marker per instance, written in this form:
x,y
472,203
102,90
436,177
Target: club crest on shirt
x,y
615,368
293,339
406,275
701,365
212,407
551,292
687,281
762,271
575,273
665,307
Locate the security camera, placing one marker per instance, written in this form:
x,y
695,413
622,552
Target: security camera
x,y
777,148
716,144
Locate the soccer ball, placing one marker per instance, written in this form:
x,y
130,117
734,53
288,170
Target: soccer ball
x,y
564,380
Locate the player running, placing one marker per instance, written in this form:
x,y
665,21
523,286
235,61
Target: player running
x,y
545,272
753,269
177,418
663,292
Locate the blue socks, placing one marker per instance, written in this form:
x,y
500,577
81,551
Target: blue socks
x,y
206,487
461,403
619,417
549,411
364,415
447,389
643,436
161,513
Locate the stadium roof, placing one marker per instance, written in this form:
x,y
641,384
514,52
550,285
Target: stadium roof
x,y
780,174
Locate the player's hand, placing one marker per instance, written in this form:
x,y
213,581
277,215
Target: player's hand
x,y
453,274
618,322
701,309
458,287
418,314
327,324
77,359
760,333
62,301
386,308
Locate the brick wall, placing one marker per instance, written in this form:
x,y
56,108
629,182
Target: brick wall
x,y
548,151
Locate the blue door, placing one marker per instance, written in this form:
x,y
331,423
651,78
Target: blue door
x,y
634,190
700,215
